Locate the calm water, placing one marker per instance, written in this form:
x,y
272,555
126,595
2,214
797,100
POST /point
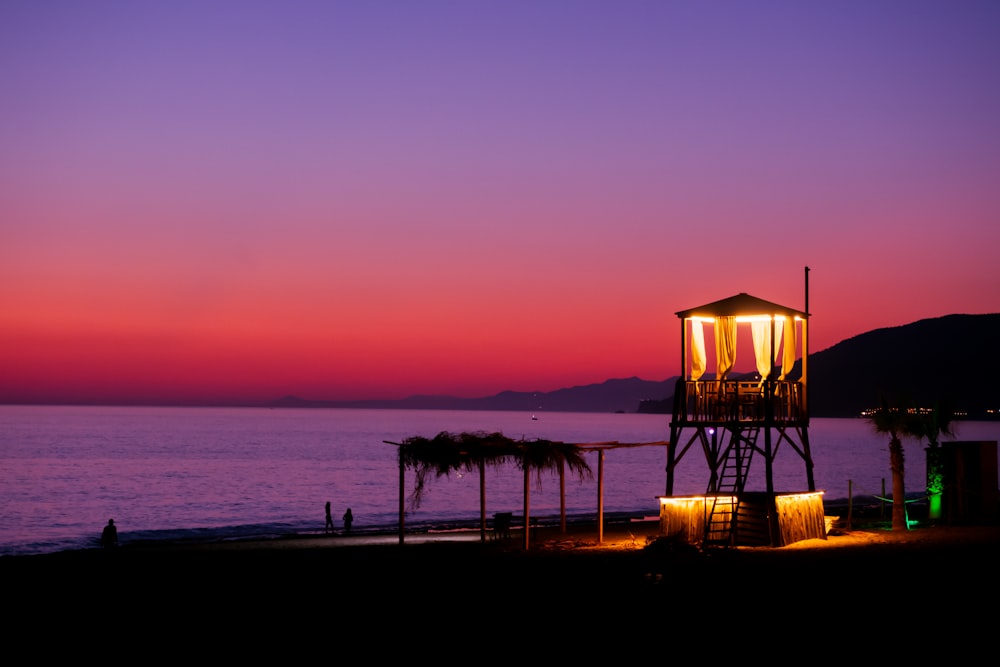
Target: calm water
x,y
215,473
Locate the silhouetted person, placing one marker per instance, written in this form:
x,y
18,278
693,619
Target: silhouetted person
x,y
348,520
329,519
109,536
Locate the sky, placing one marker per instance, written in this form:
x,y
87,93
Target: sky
x,y
214,201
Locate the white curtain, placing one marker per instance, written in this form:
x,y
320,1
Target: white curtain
x,y
725,345
778,329
697,349
761,330
788,359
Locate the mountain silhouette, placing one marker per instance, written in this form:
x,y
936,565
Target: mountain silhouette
x,y
620,395
947,359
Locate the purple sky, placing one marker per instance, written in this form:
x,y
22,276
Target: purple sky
x,y
375,199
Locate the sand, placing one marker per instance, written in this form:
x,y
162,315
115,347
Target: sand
x,y
443,592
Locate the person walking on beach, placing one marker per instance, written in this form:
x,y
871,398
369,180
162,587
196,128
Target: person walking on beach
x,y
348,520
109,536
329,519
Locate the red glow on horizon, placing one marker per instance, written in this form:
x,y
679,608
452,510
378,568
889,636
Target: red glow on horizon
x,y
324,202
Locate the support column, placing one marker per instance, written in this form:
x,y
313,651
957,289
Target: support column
x,y
600,497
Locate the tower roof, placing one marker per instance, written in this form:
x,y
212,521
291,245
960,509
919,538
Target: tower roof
x,y
741,304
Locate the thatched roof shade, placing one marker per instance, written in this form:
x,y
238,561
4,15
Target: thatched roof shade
x,y
447,452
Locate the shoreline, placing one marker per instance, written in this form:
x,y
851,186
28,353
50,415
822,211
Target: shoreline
x,y
864,509
628,535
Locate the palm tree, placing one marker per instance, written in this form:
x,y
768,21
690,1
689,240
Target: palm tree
x,y
896,422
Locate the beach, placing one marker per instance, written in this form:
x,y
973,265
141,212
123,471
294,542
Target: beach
x,y
466,590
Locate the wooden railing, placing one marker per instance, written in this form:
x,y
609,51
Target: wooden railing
x,y
738,401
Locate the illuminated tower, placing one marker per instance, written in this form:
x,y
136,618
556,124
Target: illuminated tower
x,y
741,422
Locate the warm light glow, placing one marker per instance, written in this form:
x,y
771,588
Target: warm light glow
x,y
688,500
754,318
800,496
743,318
681,501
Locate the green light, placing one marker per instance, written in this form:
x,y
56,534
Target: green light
x,y
934,506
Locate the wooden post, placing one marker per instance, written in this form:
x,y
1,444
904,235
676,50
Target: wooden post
x,y
482,502
774,525
402,486
881,508
600,496
850,503
527,493
804,377
562,496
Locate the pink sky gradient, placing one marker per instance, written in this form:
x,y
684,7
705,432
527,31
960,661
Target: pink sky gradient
x,y
217,201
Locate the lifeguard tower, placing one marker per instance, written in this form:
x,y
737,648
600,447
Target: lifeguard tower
x,y
741,422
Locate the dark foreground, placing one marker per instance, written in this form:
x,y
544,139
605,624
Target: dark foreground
x,y
631,592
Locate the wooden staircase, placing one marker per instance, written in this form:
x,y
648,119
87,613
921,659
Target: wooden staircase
x,y
727,520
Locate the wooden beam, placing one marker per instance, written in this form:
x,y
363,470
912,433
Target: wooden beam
x,y
482,501
600,498
527,494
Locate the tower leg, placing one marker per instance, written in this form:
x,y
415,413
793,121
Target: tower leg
x,y
807,454
671,459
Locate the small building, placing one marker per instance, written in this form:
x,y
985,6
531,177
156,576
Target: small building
x,y
737,421
968,489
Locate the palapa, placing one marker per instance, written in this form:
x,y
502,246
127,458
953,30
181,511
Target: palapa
x,y
447,452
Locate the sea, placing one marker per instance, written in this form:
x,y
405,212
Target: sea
x,y
226,473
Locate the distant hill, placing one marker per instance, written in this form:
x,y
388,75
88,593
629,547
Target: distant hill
x,y
952,358
623,395
949,358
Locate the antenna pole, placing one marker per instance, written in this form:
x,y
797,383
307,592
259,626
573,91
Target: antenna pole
x,y
807,291
805,353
